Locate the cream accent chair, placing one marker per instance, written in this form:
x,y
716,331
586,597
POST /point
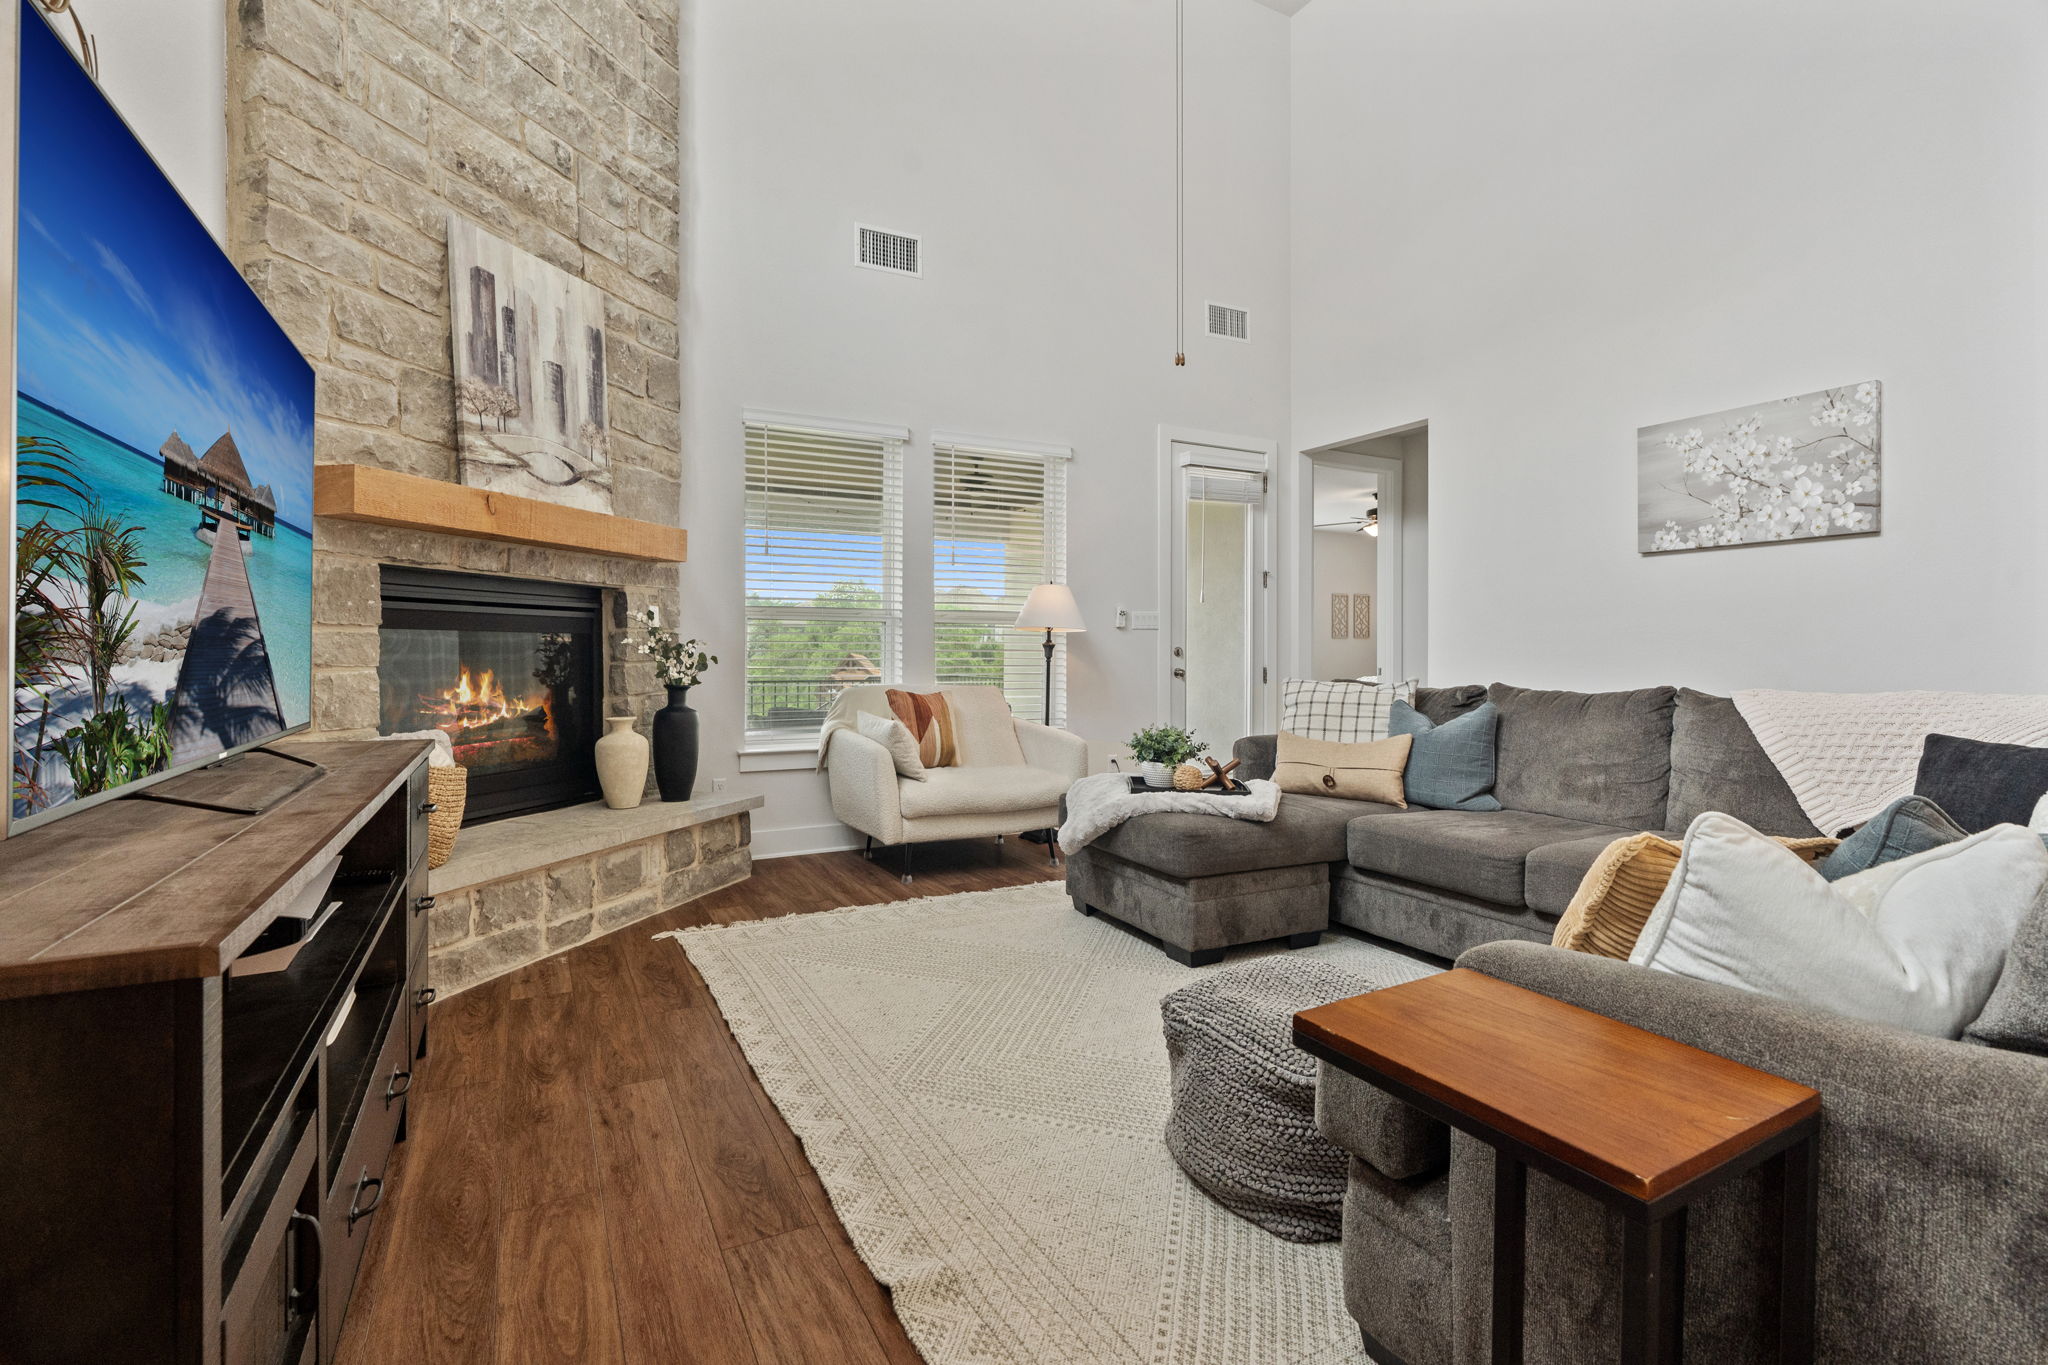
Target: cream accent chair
x,y
1010,776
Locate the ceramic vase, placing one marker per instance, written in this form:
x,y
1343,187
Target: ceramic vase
x,y
622,763
675,746
1156,775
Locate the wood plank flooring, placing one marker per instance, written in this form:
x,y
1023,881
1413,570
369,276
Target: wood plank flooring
x,y
593,1174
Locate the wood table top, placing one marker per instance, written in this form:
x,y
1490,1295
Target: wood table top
x,y
135,891
1634,1110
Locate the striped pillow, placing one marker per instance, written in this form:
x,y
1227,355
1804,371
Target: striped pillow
x,y
1347,712
1624,885
930,722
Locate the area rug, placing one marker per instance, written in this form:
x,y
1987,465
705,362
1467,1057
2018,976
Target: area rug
x,y
980,1081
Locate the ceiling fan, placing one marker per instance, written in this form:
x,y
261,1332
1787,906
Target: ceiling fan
x,y
1369,523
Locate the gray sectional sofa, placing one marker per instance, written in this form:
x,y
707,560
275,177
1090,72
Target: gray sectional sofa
x,y
1576,772
1933,1154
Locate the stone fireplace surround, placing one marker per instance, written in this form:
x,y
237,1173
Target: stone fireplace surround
x,y
355,128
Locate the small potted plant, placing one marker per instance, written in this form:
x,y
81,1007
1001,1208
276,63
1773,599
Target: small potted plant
x,y
1162,748
680,664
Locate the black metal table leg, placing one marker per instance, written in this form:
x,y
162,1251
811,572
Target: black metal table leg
x,y
1652,1288
1793,1178
1510,1243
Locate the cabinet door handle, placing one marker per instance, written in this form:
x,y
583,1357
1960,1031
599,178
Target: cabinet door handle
x,y
423,903
400,1082
356,1208
429,807
298,1290
426,995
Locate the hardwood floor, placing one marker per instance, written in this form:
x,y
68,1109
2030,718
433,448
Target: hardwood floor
x,y
593,1174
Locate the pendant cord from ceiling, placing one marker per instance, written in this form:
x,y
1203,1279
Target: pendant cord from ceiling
x,y
1180,182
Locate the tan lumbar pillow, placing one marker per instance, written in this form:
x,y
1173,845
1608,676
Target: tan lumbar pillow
x,y
1623,886
1358,772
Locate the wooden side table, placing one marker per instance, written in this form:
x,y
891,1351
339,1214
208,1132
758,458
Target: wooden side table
x,y
1640,1122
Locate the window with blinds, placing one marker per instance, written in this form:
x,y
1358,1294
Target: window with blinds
x,y
999,523
824,568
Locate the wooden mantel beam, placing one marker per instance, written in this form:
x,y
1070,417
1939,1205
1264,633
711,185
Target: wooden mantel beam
x,y
357,492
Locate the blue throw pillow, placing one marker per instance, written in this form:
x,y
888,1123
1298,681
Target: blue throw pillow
x,y
1450,766
1909,825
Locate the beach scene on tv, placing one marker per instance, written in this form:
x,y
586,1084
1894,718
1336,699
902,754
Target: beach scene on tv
x,y
163,599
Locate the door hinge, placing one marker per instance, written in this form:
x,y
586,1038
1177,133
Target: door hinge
x,y
1265,675
1269,578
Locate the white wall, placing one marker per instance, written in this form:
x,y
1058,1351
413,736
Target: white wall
x,y
1540,227
164,64
1031,146
1345,562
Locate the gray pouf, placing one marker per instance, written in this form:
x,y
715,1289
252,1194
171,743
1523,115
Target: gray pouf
x,y
1243,1124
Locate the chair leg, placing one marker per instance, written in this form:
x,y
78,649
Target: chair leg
x,y
1052,848
909,866
1304,940
867,850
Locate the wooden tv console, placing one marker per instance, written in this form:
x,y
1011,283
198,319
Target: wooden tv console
x,y
192,1160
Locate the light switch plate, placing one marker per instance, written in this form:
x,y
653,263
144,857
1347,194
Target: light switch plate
x,y
1144,620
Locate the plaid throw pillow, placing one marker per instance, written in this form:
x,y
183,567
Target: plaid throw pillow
x,y
930,722
1347,712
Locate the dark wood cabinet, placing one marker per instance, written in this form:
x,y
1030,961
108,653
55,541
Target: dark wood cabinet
x,y
194,1159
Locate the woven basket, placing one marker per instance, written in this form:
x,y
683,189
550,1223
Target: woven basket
x,y
448,789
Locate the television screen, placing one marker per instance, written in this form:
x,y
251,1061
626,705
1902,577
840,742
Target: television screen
x,y
163,474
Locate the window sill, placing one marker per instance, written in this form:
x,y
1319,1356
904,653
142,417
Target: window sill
x,y
778,760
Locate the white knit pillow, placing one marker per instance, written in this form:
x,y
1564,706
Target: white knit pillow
x,y
895,736
1917,943
1347,712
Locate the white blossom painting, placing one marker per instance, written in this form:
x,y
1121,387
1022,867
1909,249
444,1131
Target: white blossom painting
x,y
530,405
1801,468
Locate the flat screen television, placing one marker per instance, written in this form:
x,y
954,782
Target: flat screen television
x,y
162,473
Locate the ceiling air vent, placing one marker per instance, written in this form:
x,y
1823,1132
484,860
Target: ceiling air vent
x,y
1228,322
883,250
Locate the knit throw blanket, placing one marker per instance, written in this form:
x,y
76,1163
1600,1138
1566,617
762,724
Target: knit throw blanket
x,y
1096,805
1847,755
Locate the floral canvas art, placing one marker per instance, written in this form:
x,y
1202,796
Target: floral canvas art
x,y
1801,468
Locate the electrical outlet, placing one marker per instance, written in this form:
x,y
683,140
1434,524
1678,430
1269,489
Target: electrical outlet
x,y
718,784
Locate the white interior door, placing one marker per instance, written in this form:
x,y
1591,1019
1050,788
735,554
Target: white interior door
x,y
1217,627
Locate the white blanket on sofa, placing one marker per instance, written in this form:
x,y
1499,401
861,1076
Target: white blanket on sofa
x,y
1847,755
1098,804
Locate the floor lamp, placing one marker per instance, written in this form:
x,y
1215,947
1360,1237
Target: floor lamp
x,y
1052,609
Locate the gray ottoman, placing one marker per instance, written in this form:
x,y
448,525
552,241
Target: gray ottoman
x,y
1243,1124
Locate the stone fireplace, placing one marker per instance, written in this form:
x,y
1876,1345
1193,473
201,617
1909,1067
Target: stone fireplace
x,y
356,128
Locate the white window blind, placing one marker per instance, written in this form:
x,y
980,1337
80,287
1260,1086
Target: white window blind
x,y
999,525
824,572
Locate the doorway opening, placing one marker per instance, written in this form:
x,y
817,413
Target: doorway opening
x,y
1344,573
1360,523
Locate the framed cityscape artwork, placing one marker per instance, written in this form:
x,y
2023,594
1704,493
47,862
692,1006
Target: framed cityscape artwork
x,y
530,408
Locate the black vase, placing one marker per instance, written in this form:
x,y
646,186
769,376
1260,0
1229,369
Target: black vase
x,y
675,746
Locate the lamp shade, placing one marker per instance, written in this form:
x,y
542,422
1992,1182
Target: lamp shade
x,y
1051,606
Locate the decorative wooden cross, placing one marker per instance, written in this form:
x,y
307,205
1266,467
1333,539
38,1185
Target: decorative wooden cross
x,y
1219,776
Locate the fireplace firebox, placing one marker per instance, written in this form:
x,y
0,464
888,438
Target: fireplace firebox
x,y
509,668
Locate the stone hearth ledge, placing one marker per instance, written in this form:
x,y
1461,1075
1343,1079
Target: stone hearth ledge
x,y
521,889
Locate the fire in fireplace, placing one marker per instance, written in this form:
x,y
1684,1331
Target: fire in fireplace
x,y
508,669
